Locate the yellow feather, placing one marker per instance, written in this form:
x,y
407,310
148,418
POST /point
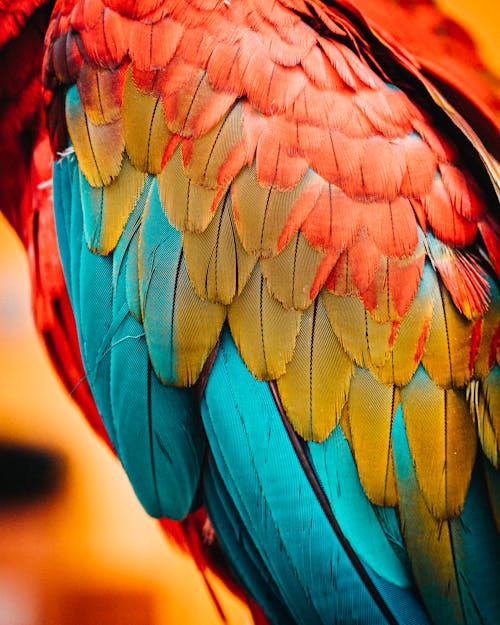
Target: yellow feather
x,y
406,351
447,350
117,202
144,127
99,149
442,440
210,151
197,327
188,206
365,340
371,409
261,212
291,273
430,547
263,330
218,266
316,383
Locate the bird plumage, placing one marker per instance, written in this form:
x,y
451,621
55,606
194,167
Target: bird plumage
x,y
279,233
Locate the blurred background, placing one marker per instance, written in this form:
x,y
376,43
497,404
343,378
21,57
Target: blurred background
x,y
75,546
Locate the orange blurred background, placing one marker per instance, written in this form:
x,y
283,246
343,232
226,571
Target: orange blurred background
x,y
89,554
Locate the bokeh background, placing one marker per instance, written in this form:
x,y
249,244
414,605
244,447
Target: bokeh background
x,y
87,553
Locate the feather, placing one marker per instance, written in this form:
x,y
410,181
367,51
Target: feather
x,y
394,285
89,279
367,342
261,213
447,348
410,336
234,538
189,207
447,223
442,441
338,474
331,206
312,397
126,253
484,397
248,453
144,128
263,331
208,152
420,166
158,429
490,334
371,409
217,264
493,487
198,107
181,330
152,45
106,210
457,551
462,275
100,92
290,274
99,148
65,186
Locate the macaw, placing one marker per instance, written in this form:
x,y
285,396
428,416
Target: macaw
x,y
278,228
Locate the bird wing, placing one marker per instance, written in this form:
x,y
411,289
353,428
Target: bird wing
x,y
25,174
281,183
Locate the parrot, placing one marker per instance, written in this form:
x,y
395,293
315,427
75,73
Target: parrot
x,y
264,244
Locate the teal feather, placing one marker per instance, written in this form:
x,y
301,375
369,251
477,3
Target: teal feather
x,y
236,540
334,466
132,286
126,253
156,430
92,199
263,476
389,521
89,280
160,251
96,324
477,554
336,470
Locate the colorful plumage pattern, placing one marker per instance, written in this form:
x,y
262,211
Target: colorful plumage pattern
x,y
280,237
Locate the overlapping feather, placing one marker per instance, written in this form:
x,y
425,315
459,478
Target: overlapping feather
x,y
153,428
370,257
289,186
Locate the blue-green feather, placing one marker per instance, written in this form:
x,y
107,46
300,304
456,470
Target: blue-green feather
x,y
477,554
156,430
337,472
274,499
237,541
160,252
89,282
